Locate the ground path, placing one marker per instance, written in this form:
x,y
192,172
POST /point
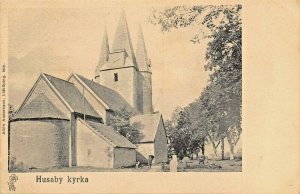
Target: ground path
x,y
155,168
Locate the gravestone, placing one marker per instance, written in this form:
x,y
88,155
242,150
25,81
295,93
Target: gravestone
x,y
173,164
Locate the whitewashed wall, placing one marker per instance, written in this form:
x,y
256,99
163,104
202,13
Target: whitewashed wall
x,y
145,149
91,149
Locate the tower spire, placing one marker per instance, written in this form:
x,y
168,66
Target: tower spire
x,y
104,50
141,52
122,39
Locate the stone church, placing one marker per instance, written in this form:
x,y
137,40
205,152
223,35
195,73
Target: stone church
x,y
66,122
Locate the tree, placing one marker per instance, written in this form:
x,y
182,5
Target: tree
x,y
11,112
120,121
220,114
179,132
199,132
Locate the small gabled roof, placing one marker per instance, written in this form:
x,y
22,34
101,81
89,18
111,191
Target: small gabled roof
x,y
149,123
115,138
110,97
72,96
40,107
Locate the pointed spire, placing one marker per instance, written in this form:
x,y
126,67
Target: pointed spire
x,y
104,50
122,39
141,52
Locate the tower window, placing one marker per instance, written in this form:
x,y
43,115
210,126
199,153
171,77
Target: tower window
x,y
116,78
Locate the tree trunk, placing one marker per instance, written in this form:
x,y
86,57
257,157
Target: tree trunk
x,y
215,150
203,147
232,147
222,149
214,146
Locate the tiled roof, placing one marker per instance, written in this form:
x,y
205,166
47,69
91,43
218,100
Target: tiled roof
x,y
110,97
72,96
40,107
110,134
149,125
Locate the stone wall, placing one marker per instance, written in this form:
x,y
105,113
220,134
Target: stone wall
x,y
40,143
124,157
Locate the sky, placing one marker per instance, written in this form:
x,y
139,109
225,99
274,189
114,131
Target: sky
x,y
62,40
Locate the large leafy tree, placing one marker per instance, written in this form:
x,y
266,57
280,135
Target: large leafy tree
x,y
179,132
185,139
120,121
219,106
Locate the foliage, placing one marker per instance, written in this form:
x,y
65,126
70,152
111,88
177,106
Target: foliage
x,y
120,121
15,166
11,112
183,139
216,114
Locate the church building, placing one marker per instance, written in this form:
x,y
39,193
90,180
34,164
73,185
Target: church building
x,y
66,122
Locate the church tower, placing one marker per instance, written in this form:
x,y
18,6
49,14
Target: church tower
x,y
123,71
144,81
118,69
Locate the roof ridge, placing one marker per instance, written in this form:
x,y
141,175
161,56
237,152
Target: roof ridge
x,y
57,78
95,82
104,126
45,76
99,85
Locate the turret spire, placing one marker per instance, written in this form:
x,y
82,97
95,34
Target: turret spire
x,y
104,50
141,52
122,39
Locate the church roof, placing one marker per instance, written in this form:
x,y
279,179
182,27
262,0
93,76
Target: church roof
x,y
149,125
40,107
110,134
110,97
72,96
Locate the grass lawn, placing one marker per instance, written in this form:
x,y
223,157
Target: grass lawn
x,y
214,166
193,166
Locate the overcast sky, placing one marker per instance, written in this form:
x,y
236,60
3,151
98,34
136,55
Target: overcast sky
x,y
59,41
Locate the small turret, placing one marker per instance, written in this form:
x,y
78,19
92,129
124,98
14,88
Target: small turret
x,y
141,53
104,54
144,80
